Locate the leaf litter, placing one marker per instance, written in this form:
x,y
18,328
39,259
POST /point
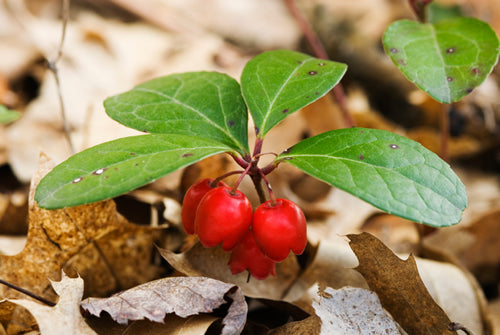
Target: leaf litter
x,y
54,242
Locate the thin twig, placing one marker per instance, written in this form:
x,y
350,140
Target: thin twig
x,y
320,52
28,293
455,326
52,66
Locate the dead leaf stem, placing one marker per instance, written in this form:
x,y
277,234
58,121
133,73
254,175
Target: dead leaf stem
x,y
28,293
320,52
52,66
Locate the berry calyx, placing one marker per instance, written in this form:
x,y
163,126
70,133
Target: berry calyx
x,y
192,199
246,255
279,228
223,216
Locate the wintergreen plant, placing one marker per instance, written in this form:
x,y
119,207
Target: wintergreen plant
x,y
191,116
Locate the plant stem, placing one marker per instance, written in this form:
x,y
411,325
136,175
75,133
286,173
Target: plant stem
x,y
269,188
216,181
320,52
419,8
257,182
243,162
240,178
52,66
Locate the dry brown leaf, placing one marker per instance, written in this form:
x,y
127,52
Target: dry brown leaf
x,y
174,325
93,240
183,296
399,287
346,311
213,263
64,318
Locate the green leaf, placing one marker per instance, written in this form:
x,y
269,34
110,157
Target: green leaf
x,y
201,104
447,59
278,83
389,171
7,115
113,168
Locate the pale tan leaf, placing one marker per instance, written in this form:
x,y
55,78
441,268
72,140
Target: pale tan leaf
x,y
183,296
64,318
353,311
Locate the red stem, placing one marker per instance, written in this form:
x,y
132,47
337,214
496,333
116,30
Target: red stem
x,y
272,198
240,178
419,7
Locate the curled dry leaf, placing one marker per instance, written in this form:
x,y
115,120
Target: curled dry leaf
x,y
345,311
64,318
213,263
399,287
183,296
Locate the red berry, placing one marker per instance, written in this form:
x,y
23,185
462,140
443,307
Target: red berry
x,y
192,200
222,217
279,229
247,256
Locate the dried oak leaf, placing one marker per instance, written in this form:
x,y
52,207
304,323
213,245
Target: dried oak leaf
x,y
399,287
183,296
84,239
64,318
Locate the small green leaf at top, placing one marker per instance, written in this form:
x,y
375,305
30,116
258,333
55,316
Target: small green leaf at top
x,y
8,115
202,104
447,59
389,171
113,168
278,83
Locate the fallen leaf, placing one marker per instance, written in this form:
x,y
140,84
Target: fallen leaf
x,y
345,311
331,266
183,296
82,239
64,318
213,263
399,287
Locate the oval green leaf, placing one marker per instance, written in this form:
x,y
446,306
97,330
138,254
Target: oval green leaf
x,y
389,171
7,115
447,59
201,104
113,168
278,83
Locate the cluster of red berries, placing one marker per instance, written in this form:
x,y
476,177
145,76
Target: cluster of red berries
x,y
219,214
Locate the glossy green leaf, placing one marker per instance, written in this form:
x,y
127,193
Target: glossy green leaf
x,y
7,115
202,104
113,168
447,59
389,171
278,83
